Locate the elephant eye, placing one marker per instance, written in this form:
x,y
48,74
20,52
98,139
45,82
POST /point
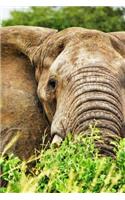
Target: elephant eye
x,y
52,83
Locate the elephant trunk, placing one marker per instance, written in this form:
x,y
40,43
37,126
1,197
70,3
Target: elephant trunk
x,y
95,96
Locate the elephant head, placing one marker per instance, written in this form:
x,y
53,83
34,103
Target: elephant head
x,y
81,79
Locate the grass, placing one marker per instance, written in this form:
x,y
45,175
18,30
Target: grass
x,y
74,166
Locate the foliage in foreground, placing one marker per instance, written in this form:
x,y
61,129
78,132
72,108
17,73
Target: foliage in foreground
x,y
75,166
103,18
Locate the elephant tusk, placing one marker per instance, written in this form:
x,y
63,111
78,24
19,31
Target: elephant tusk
x,y
57,139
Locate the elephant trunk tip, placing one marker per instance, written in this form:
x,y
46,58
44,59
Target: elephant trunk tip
x,y
57,140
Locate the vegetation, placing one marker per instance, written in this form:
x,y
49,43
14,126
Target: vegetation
x,y
102,18
74,166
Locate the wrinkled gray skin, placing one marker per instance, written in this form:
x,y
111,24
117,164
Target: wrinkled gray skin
x,y
82,82
81,79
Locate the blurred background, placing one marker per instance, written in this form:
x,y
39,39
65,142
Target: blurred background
x,y
102,18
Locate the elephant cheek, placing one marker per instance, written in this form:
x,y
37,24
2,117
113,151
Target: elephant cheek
x,y
48,111
37,74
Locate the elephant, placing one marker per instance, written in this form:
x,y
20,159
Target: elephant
x,y
80,76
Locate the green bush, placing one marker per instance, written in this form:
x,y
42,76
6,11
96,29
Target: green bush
x,y
74,166
102,18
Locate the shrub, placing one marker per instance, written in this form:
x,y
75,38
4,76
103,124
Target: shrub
x,y
74,166
102,18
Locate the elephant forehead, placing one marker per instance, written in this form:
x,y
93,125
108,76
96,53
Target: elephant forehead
x,y
71,39
70,57
77,46
74,57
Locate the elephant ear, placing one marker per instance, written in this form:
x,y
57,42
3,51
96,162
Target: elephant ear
x,y
26,39
118,41
119,35
21,112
